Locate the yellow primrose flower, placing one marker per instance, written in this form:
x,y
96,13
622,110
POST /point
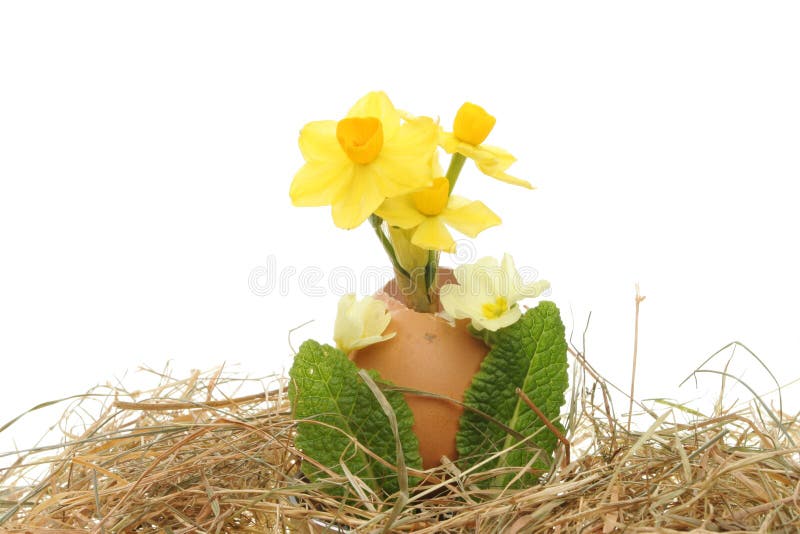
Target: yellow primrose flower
x,y
488,293
357,162
360,323
470,128
429,211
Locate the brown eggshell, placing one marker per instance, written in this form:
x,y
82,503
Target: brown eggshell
x,y
429,354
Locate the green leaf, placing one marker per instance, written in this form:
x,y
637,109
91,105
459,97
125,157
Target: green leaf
x,y
530,354
334,407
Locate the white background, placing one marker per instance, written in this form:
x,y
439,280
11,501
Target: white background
x,y
146,151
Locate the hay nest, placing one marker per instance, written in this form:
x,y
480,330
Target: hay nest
x,y
199,455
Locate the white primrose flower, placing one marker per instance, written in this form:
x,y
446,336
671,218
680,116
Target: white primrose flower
x,y
360,323
488,292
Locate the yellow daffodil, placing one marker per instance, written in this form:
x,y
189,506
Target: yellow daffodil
x,y
360,323
470,128
429,211
488,292
357,162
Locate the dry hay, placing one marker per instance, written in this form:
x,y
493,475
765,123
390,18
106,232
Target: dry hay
x,y
199,456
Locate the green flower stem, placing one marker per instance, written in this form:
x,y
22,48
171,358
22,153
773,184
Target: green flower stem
x,y
377,223
456,164
430,270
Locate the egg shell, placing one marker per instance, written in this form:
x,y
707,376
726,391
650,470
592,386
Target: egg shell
x,y
430,354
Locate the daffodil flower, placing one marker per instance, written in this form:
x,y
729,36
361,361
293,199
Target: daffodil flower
x,y
360,323
488,293
430,211
357,162
470,128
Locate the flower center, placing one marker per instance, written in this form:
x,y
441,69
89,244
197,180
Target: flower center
x,y
493,310
433,200
361,138
472,124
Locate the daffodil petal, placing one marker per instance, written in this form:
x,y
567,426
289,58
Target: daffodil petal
x,y
494,161
436,166
377,104
448,141
432,234
326,168
318,142
470,218
317,183
455,202
491,161
405,163
400,212
451,144
357,200
492,157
